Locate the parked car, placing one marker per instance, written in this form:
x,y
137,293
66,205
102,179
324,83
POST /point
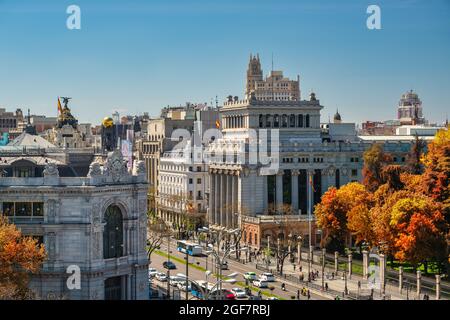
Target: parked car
x,y
224,266
260,283
267,276
152,272
239,293
161,277
169,265
250,276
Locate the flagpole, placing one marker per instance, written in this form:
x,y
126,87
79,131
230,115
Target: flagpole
x,y
310,182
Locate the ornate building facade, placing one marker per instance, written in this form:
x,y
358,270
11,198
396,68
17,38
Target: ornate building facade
x,y
274,162
273,87
88,210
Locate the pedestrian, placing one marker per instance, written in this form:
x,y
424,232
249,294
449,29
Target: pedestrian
x,y
298,294
332,275
300,268
309,295
294,267
326,286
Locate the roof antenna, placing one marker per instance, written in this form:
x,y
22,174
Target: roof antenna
x,y
273,93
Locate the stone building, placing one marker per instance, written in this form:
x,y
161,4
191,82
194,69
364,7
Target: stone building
x,y
409,111
90,213
273,87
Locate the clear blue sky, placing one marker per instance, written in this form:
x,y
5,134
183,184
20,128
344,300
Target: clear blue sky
x,y
136,56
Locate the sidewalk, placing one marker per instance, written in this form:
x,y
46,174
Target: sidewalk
x,y
338,283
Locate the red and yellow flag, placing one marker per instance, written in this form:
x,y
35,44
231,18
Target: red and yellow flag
x,y
59,106
217,124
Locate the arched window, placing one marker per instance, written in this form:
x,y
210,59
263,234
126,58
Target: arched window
x,y
276,121
284,121
292,120
113,233
300,120
307,121
268,121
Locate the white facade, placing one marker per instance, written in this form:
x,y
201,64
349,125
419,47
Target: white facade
x,y
96,222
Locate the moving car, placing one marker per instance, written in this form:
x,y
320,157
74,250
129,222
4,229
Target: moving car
x,y
224,266
272,298
161,277
250,276
260,283
239,293
169,265
152,272
175,280
267,276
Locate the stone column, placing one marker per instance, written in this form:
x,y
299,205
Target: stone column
x,y
382,271
279,190
350,266
438,287
365,264
212,197
229,201
233,200
400,279
419,283
336,262
223,199
294,190
217,199
265,194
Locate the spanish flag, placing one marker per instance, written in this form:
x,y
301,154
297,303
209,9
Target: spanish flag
x,y
59,106
217,124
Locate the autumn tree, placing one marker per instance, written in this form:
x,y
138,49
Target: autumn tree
x,y
420,230
414,158
374,161
20,257
436,176
342,211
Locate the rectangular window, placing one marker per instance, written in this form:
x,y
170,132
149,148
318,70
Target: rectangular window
x,y
199,181
8,208
23,209
38,209
354,172
190,180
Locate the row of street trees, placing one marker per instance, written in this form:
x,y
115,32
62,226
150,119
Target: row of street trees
x,y
403,211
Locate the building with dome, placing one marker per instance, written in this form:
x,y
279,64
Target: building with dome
x,y
68,133
409,111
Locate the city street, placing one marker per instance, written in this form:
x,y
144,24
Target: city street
x,y
234,266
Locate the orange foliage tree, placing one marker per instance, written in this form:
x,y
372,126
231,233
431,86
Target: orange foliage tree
x,y
436,177
374,160
420,230
19,257
342,211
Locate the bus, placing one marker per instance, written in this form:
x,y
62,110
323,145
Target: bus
x,y
189,247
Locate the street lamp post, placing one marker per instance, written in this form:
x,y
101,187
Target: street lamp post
x,y
323,269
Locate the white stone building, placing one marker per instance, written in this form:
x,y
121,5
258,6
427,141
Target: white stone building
x,y
89,212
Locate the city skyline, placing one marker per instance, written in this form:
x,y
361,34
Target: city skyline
x,y
139,57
